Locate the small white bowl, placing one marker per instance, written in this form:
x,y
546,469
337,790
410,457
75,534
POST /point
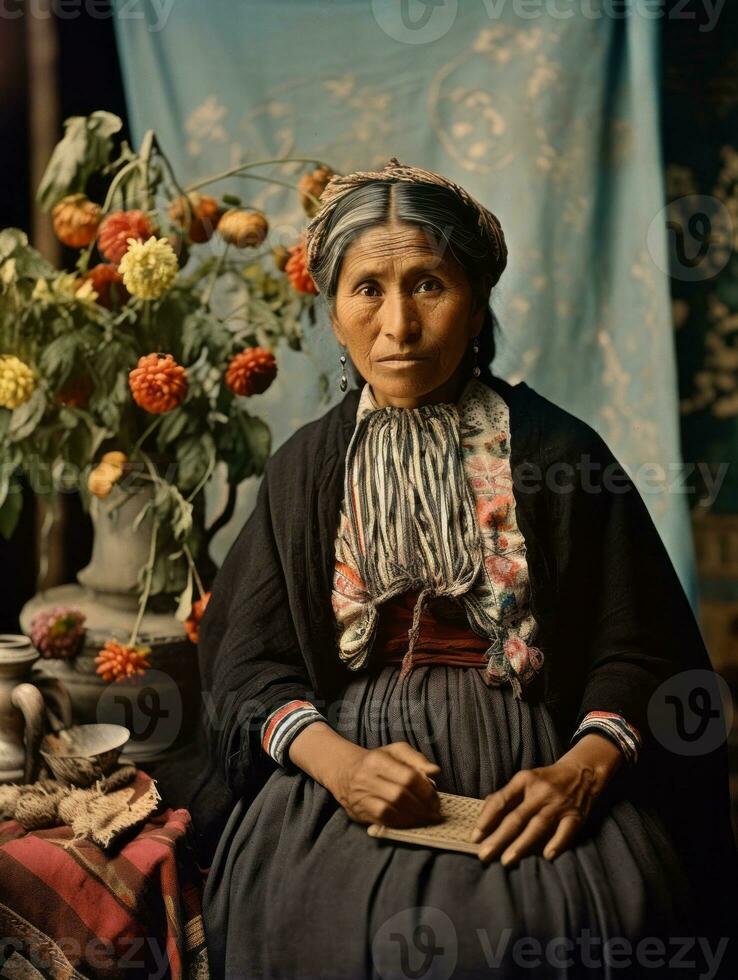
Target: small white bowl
x,y
82,754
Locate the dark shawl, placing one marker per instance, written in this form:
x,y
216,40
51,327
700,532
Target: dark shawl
x,y
614,621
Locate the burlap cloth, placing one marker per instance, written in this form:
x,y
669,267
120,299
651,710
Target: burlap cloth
x,y
102,813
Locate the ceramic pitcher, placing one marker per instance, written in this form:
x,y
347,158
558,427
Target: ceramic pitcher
x,y
29,706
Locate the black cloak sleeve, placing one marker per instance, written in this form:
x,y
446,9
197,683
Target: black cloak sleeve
x,y
632,622
250,657
630,644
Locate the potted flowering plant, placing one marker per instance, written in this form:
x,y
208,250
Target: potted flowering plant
x,y
138,369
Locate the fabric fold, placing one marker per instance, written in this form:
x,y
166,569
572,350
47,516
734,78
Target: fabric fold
x,y
431,489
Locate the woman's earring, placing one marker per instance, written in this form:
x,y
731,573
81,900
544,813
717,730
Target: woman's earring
x,y
475,347
343,384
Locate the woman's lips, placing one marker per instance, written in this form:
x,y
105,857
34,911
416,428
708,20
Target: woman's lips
x,y
400,361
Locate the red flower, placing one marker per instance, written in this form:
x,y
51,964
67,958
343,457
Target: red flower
x,y
296,269
251,372
121,661
75,393
117,228
192,623
108,284
200,219
158,384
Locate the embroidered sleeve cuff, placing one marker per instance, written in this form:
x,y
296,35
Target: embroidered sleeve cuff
x,y
284,724
614,727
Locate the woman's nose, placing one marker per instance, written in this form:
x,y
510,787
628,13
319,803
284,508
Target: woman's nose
x,y
400,319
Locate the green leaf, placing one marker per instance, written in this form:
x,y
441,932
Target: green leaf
x,y
258,438
141,515
58,357
84,149
171,427
27,416
193,454
5,417
182,518
10,512
26,262
10,240
77,441
245,446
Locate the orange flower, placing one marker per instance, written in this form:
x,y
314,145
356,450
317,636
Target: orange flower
x,y
313,184
200,219
76,219
117,228
251,372
158,384
192,623
244,229
122,661
108,284
296,269
281,257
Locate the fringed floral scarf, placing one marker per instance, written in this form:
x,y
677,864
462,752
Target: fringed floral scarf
x,y
428,506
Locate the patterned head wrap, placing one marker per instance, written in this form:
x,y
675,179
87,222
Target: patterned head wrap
x,y
339,186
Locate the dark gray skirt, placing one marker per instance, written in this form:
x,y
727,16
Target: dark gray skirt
x,y
298,890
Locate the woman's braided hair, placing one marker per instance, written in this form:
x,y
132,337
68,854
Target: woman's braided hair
x,y
340,185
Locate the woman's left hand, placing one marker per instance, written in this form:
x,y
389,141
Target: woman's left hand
x,y
546,807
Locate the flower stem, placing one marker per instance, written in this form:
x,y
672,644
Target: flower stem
x,y
147,145
173,177
214,276
131,165
143,601
204,479
247,166
193,568
282,183
146,433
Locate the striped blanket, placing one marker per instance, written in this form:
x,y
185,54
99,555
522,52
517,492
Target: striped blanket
x,y
68,909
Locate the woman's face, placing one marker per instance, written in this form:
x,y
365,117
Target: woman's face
x,y
400,293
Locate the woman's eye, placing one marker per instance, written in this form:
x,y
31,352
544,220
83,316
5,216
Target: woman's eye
x,y
368,289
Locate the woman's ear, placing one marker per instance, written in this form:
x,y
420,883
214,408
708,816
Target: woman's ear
x,y
337,332
481,302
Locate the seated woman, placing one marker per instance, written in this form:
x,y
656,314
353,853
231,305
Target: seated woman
x,y
448,584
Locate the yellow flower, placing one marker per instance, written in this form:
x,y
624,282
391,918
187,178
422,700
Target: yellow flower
x,y
107,472
148,268
101,480
16,382
85,293
63,287
42,293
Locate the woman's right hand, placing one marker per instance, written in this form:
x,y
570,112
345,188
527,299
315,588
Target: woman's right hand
x,y
392,785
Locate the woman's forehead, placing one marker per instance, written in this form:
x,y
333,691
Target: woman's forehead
x,y
387,246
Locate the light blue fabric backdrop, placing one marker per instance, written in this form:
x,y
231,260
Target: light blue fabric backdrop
x,y
552,121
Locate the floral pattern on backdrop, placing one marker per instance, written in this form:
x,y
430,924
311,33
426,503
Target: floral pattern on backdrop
x,y
553,123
